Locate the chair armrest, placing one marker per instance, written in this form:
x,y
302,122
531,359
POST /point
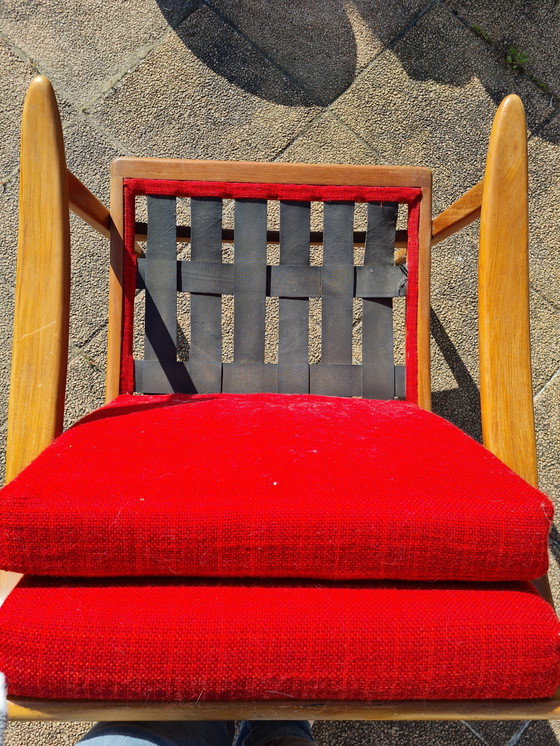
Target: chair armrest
x,y
506,393
40,342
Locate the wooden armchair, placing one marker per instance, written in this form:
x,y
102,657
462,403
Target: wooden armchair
x,y
40,347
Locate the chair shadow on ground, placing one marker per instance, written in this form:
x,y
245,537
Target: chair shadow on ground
x,y
309,53
460,405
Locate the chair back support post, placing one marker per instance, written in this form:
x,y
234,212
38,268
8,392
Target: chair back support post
x,y
40,341
505,354
112,380
423,323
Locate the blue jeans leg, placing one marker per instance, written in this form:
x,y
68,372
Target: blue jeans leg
x,y
161,733
281,732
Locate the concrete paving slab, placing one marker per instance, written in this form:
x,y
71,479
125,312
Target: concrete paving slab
x,y
327,140
6,323
540,733
16,76
531,28
545,342
454,327
9,206
322,46
44,734
88,156
425,55
358,733
418,107
547,407
173,105
85,386
544,211
86,47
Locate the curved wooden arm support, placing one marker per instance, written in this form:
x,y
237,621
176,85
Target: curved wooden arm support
x,y
86,206
40,342
506,392
461,213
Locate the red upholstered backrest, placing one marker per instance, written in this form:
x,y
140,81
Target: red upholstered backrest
x,y
250,280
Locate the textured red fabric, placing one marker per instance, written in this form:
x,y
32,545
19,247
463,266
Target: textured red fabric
x,y
184,642
271,485
234,190
251,190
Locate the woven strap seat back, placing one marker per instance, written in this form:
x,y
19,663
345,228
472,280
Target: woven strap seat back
x,y
294,280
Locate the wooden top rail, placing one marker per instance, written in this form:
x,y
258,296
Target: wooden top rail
x,y
458,215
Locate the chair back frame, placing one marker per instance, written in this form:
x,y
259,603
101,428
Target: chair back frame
x,y
376,281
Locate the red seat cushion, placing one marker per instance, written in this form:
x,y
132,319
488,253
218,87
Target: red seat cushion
x,y
172,641
273,486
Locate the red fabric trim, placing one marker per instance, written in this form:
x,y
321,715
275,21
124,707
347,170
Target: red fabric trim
x,y
240,190
307,192
189,641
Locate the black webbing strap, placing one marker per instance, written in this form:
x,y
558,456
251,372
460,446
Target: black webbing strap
x,y
249,281
205,353
378,367
160,340
338,283
282,281
293,311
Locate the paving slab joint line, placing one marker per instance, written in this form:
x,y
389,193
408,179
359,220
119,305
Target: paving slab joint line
x,y
546,386
553,306
554,100
299,134
294,81
5,180
475,733
114,142
412,23
131,64
37,67
538,129
381,161
77,351
514,740
62,95
20,53
384,47
326,112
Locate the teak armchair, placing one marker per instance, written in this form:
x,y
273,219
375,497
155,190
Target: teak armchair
x,y
48,190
